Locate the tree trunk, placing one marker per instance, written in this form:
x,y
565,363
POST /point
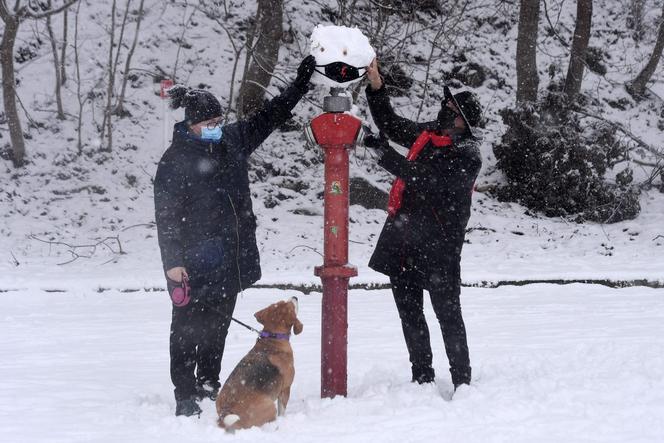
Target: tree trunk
x,y
107,123
637,87
268,25
56,63
635,16
584,13
119,108
63,71
527,78
9,89
79,95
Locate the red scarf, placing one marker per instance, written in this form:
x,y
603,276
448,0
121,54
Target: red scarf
x,y
396,193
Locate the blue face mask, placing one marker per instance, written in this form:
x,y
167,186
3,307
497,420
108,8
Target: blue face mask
x,y
211,134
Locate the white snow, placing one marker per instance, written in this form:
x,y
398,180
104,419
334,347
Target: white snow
x,y
551,363
331,44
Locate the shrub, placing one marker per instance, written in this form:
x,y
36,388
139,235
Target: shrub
x,y
556,164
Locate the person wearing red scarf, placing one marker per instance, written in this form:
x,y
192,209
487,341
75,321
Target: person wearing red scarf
x,y
420,245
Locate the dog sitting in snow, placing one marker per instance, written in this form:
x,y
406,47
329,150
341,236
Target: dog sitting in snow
x,y
264,376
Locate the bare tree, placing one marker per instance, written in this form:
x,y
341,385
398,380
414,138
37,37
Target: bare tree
x,y
186,24
267,34
637,87
635,16
213,13
81,99
107,123
584,13
63,54
119,107
527,79
56,62
9,83
12,18
113,61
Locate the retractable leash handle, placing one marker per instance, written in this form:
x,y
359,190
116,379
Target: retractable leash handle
x,y
181,295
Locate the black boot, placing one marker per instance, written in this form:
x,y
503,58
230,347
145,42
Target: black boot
x,y
423,374
187,407
207,390
460,376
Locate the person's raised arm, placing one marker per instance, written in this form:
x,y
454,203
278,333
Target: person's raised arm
x,y
397,128
274,113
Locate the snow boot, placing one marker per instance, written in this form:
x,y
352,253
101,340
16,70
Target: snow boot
x,y
207,390
423,374
460,376
187,407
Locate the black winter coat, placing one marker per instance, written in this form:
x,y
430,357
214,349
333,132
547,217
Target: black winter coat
x,y
203,210
423,241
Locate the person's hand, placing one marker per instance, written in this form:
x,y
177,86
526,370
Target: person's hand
x,y
373,75
377,142
304,73
177,274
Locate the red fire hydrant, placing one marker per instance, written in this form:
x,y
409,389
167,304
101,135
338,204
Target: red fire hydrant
x,y
336,132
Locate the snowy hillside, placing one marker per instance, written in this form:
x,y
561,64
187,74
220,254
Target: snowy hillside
x,y
83,200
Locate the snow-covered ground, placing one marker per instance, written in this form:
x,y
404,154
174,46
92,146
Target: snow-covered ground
x,y
80,200
573,363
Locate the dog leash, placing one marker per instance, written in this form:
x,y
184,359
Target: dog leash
x,y
183,298
261,334
234,319
246,326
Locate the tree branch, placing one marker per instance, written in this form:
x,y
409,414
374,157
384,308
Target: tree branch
x,y
112,243
27,12
625,131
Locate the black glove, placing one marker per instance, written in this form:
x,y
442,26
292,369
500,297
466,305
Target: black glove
x,y
378,142
304,73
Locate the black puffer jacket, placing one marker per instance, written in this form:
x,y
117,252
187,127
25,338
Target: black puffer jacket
x,y
203,209
423,241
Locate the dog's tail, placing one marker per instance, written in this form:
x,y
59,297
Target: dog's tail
x,y
228,422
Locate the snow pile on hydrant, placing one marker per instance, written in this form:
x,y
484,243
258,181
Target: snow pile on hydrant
x,y
342,55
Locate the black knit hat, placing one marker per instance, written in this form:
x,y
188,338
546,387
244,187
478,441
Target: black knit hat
x,y
468,104
199,105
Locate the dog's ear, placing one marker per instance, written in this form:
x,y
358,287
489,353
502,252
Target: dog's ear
x,y
297,326
292,318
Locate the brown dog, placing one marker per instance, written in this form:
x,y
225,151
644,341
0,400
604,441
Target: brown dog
x,y
264,376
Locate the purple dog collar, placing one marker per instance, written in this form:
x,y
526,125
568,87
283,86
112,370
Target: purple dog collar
x,y
277,335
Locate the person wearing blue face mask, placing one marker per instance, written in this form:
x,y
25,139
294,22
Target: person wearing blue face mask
x,y
207,229
212,132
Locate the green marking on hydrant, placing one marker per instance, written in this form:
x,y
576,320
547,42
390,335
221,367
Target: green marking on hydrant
x,y
334,230
335,189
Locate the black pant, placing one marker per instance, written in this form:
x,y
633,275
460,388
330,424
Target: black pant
x,y
409,298
198,336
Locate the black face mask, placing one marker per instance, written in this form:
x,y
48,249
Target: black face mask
x,y
446,117
341,72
